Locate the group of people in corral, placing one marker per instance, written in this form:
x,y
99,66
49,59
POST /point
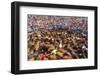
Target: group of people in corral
x,y
56,45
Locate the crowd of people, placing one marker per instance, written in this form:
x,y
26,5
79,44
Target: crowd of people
x,y
57,37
